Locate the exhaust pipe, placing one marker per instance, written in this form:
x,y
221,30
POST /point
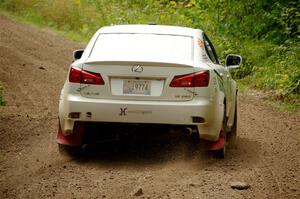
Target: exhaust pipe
x,y
193,133
189,130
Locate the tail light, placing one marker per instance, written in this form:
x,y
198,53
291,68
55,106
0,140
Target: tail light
x,y
200,79
84,77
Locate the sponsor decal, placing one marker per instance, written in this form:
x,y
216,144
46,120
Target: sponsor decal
x,y
200,43
140,112
91,93
183,96
190,91
82,88
122,111
125,112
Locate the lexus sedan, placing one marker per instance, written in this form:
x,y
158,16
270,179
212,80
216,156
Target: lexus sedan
x,y
149,74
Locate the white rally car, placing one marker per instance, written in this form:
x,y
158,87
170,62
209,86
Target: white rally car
x,y
149,74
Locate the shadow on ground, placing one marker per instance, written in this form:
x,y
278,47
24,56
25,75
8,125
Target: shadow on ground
x,y
159,147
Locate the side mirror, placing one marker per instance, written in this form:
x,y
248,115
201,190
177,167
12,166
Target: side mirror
x,y
77,54
233,61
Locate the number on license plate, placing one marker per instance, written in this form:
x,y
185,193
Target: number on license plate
x,y
141,87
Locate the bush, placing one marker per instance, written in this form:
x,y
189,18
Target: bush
x,y
2,102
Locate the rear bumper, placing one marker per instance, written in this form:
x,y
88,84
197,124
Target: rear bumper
x,y
148,112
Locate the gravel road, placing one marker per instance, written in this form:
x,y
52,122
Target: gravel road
x,y
33,67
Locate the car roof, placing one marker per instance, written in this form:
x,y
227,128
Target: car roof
x,y
150,29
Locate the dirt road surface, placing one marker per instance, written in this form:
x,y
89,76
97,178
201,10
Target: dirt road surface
x,y
33,67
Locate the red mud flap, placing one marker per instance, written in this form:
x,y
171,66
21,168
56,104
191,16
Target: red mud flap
x,y
219,144
75,139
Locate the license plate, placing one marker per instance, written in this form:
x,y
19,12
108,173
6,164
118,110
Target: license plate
x,y
136,87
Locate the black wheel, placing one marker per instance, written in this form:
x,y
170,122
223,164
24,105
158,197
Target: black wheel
x,y
220,153
233,131
69,150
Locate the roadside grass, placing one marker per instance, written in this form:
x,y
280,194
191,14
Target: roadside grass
x,y
274,69
2,101
271,59
31,20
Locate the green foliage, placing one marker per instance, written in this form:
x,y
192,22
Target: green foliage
x,y
270,20
2,102
81,18
265,32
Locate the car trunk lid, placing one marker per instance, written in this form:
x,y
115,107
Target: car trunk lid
x,y
137,81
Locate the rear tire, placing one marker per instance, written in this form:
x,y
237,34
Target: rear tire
x,y
220,153
233,132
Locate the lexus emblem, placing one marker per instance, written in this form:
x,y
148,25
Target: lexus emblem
x,y
137,69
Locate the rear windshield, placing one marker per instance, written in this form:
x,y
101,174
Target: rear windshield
x,y
143,47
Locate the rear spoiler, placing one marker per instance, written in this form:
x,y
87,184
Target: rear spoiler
x,y
144,63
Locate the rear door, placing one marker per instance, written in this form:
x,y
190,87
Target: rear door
x,y
222,71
